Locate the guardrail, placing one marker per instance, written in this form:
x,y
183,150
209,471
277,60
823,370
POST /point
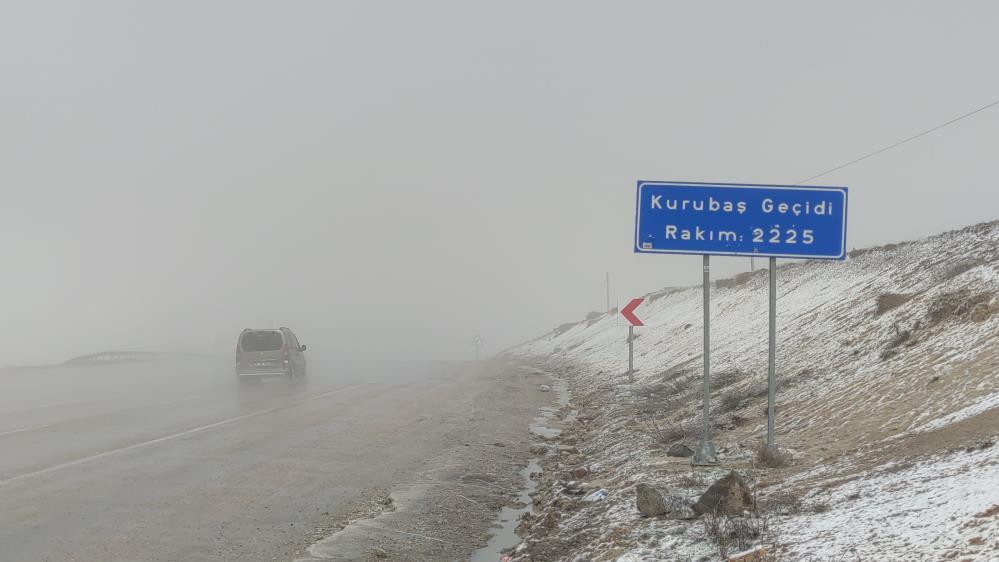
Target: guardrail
x,y
109,357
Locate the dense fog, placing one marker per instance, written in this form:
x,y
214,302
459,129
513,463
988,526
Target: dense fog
x,y
393,180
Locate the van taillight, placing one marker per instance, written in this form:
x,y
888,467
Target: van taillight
x,y
284,350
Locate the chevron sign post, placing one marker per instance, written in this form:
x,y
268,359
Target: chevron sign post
x,y
629,314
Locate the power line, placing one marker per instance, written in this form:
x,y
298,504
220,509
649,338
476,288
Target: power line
x,y
899,143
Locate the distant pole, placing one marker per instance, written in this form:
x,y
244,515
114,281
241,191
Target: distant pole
x,y
631,353
752,263
772,359
607,285
705,453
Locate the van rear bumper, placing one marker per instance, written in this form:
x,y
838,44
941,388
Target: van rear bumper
x,y
248,374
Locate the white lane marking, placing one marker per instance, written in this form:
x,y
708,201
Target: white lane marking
x,y
170,437
13,431
180,400
40,407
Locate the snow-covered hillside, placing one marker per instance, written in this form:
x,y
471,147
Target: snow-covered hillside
x,y
888,369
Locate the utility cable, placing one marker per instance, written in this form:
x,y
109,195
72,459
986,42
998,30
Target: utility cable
x,y
899,143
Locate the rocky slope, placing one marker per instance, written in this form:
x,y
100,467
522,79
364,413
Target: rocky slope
x,y
888,369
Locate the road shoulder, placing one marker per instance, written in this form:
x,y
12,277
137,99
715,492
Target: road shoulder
x,y
444,508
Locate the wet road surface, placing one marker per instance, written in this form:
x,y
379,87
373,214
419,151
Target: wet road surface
x,y
175,461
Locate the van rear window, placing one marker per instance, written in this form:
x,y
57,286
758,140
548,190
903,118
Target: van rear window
x,y
261,341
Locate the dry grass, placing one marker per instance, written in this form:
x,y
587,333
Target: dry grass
x,y
889,301
730,401
960,304
726,378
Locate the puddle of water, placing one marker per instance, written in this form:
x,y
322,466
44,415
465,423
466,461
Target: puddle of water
x,y
505,537
561,388
539,428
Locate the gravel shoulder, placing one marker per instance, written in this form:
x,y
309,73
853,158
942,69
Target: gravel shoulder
x,y
444,508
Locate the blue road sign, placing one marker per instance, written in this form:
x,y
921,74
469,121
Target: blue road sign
x,y
781,221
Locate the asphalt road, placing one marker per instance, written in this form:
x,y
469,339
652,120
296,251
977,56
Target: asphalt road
x,y
176,462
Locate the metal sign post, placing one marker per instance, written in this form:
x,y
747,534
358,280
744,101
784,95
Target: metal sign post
x,y
787,221
705,453
772,357
631,353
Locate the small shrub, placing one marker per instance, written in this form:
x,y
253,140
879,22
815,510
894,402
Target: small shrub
x,y
781,503
901,337
772,457
690,481
563,328
653,297
738,533
739,421
724,283
730,401
726,378
591,319
820,507
759,390
677,431
741,531
980,445
746,276
961,267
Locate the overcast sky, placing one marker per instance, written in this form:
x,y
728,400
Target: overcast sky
x,y
398,176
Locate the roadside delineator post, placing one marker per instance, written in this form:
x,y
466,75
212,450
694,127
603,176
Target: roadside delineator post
x,y
477,344
629,313
631,353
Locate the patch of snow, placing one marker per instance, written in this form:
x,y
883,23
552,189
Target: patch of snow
x,y
987,403
925,512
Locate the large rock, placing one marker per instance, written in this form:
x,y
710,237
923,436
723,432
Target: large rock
x,y
653,501
680,450
758,554
728,496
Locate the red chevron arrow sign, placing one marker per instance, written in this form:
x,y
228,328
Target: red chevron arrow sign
x,y
629,312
